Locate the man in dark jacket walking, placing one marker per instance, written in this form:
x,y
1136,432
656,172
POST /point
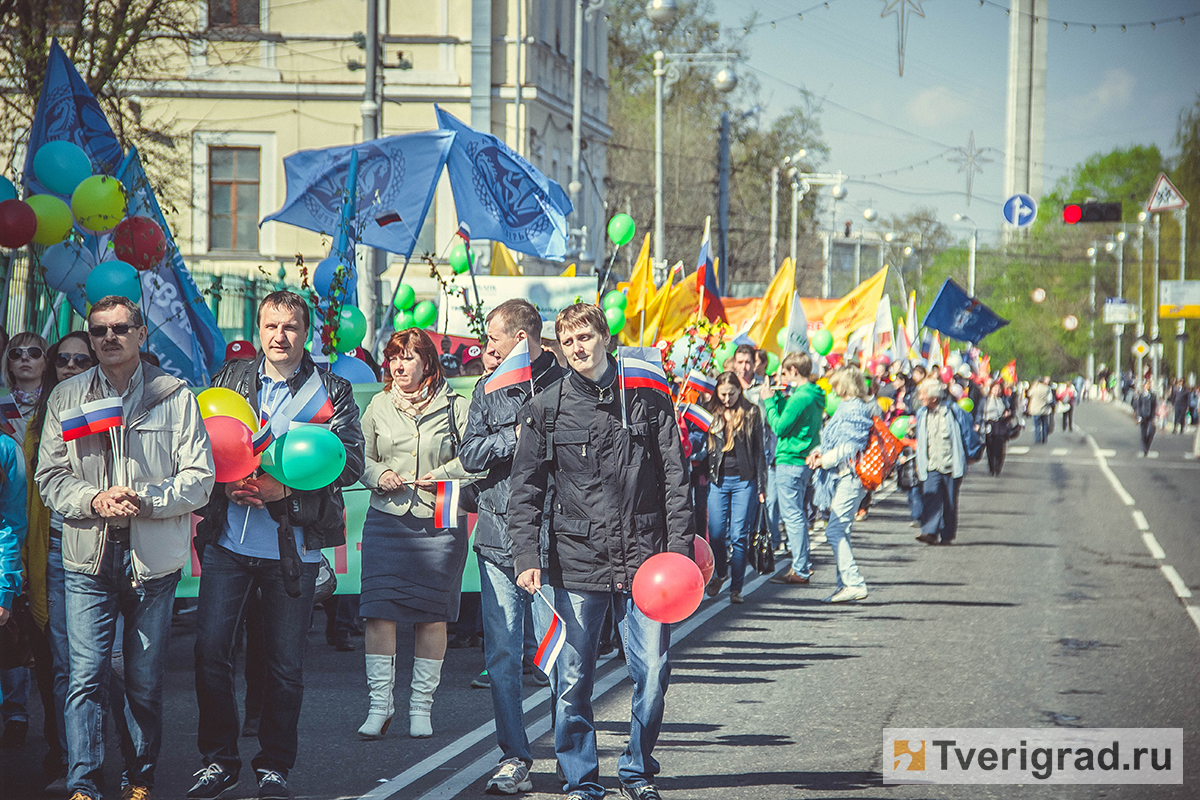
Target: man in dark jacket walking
x,y
621,495
269,540
1145,411
488,444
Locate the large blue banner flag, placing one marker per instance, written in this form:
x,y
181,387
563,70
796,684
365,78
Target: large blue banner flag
x,y
960,316
397,176
503,197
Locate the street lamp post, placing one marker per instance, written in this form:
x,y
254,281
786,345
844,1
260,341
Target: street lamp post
x,y
1154,332
774,214
1119,328
802,182
971,254
586,10
1091,357
1141,320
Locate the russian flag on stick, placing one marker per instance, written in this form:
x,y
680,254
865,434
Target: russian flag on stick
x,y
263,438
445,507
515,368
698,416
641,367
552,643
94,417
700,382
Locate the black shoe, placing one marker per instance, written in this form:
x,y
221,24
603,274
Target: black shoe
x,y
928,538
342,642
212,782
271,785
647,791
14,734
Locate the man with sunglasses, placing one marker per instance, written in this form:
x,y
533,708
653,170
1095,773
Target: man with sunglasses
x,y
126,525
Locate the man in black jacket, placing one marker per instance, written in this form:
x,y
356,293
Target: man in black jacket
x,y
488,444
269,540
1145,411
621,495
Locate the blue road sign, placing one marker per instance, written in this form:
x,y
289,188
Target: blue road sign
x,y
1020,210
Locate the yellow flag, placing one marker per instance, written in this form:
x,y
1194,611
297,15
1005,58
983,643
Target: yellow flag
x,y
655,314
679,309
855,309
776,305
641,284
503,262
569,272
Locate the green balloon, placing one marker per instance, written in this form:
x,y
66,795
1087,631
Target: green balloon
x,y
403,321
621,229
405,297
723,354
900,427
460,261
352,328
54,219
615,299
98,203
781,338
822,342
306,458
424,314
772,363
967,404
616,320
832,401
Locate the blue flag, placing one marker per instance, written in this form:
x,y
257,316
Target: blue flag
x,y
960,316
183,332
502,196
397,176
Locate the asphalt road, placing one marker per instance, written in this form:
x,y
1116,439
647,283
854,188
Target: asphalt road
x,y
1052,609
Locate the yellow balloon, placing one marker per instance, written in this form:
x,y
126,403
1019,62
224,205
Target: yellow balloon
x,y
824,384
220,402
885,403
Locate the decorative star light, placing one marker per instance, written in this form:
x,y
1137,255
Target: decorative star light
x,y
970,158
902,8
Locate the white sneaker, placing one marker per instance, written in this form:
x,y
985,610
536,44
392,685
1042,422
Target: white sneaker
x,y
846,594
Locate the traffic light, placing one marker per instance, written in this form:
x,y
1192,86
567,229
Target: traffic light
x,y
1091,212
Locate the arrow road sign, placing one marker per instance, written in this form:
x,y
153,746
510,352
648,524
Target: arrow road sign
x,y
1165,196
1020,210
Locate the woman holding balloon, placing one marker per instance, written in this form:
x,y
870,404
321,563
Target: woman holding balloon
x,y
412,561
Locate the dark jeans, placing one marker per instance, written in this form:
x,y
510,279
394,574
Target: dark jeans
x,y
1041,428
996,443
1148,429
227,581
939,505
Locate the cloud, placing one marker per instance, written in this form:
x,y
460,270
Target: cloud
x,y
1112,94
936,107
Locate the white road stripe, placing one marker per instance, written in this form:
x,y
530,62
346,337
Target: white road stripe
x,y
1181,589
1152,545
1194,613
1109,453
1019,450
1126,498
1139,519
1153,454
1059,451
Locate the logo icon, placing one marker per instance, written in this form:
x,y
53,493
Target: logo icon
x,y
909,755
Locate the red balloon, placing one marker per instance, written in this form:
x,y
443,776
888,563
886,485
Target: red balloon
x,y
705,559
140,241
233,451
18,223
668,587
947,374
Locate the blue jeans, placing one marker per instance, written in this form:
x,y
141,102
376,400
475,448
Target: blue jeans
x,y
792,482
226,581
914,503
1041,428
56,630
646,644
729,519
505,607
772,508
93,603
846,498
14,694
939,505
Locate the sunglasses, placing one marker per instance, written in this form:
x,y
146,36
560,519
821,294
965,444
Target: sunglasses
x,y
78,359
33,353
100,331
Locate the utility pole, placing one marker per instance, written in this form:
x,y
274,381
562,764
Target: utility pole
x,y
1154,332
371,111
774,217
723,204
1181,217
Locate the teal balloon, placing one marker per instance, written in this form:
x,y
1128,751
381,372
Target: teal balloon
x,y
459,258
405,297
616,320
615,299
352,328
822,342
7,190
306,458
424,314
621,229
113,278
403,321
61,166
832,401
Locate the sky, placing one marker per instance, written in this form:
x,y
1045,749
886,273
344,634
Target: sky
x,y
1104,90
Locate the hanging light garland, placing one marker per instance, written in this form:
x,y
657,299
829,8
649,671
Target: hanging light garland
x,y
1152,24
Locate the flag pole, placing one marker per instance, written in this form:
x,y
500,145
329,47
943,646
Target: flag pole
x,y
621,388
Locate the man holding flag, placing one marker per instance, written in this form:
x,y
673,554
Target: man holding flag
x,y
488,445
125,459
615,461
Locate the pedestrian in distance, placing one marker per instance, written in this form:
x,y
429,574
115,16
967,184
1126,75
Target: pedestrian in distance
x,y
946,442
1041,408
258,535
489,444
1181,400
615,460
997,419
126,499
1145,408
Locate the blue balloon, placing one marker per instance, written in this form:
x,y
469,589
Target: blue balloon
x,y
61,166
67,267
7,190
113,278
353,369
323,276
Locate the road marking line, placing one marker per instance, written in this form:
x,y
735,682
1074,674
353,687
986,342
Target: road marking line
x,y
1059,451
1139,519
1019,450
1109,453
1126,498
1153,546
1194,613
1181,589
1153,454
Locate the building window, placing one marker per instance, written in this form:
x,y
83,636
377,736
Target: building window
x,y
233,198
233,13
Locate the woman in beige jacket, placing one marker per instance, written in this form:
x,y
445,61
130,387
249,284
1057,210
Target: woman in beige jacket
x,y
412,569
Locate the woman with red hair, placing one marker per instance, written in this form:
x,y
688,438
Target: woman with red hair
x,y
411,568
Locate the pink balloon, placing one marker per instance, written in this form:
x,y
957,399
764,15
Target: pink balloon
x,y
947,374
668,587
956,390
233,450
705,559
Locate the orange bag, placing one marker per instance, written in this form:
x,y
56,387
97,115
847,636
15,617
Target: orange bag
x,y
877,461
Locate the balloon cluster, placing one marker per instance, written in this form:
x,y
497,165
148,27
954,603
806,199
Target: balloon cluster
x,y
614,304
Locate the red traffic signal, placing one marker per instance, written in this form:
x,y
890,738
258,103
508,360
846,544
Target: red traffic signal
x,y
1072,213
1091,212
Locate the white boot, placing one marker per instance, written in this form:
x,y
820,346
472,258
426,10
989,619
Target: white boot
x,y
381,680
427,674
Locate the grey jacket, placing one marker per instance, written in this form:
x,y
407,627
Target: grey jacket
x,y
169,463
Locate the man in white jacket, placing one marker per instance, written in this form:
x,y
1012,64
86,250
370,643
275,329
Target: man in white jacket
x,y
126,497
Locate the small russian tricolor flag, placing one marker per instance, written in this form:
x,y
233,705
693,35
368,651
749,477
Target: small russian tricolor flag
x,y
698,416
94,417
445,507
700,382
262,438
551,644
515,368
464,232
641,367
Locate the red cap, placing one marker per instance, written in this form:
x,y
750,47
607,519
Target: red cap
x,y
240,349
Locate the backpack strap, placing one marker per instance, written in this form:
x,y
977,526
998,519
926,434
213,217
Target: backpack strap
x,y
551,412
455,439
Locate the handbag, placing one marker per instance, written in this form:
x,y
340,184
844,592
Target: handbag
x,y
877,460
906,474
15,648
326,582
761,552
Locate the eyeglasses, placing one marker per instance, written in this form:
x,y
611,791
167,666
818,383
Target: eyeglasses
x,y
33,353
78,359
100,331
